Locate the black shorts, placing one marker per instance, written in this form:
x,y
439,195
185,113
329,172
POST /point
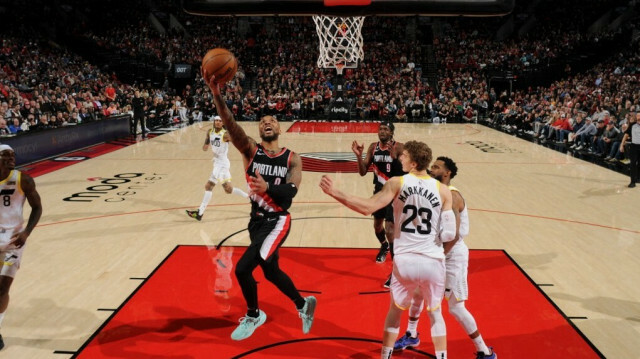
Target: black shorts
x,y
384,212
268,233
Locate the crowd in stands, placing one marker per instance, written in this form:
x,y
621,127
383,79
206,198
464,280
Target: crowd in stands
x,y
43,85
588,112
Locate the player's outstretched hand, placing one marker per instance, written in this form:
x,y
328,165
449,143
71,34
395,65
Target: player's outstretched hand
x,y
326,184
257,184
357,148
213,85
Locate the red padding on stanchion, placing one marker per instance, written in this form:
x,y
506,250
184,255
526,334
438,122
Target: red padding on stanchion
x,y
347,2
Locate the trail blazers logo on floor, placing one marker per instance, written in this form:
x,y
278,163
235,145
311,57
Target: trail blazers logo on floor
x,y
329,162
117,188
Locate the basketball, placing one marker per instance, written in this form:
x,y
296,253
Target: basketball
x,y
221,63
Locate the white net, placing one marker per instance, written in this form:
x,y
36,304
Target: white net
x,y
340,40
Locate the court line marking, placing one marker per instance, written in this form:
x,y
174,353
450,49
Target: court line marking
x,y
555,219
332,202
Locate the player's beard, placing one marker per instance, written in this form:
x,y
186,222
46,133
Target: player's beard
x,y
270,138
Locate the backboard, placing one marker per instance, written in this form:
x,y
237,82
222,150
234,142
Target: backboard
x,y
349,7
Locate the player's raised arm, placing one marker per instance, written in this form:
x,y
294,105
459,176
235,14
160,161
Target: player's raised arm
x,y
363,164
362,205
245,144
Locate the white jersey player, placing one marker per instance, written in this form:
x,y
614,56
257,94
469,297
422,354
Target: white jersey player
x,y
457,262
423,222
218,140
15,188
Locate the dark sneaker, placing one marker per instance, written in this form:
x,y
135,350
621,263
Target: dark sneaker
x,y
387,284
194,214
482,355
406,341
382,253
631,185
306,313
1,342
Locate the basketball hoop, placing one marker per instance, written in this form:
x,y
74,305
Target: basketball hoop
x,y
340,41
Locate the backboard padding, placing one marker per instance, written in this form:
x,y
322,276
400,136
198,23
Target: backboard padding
x,y
377,7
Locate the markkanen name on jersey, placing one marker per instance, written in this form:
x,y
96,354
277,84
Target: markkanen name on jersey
x,y
420,191
269,170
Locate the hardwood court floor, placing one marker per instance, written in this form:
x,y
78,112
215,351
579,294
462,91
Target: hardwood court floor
x,y
572,226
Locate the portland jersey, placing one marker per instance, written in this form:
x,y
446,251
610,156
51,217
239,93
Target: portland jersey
x,y
219,147
12,198
463,230
417,209
385,166
274,169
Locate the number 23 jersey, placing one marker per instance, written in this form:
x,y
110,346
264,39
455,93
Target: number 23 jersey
x,y
416,210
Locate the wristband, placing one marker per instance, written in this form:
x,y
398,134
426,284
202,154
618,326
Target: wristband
x,y
287,190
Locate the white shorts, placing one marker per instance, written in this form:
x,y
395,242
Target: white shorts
x,y
9,254
220,175
411,271
457,264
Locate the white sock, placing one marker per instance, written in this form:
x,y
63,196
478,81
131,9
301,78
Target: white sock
x,y
205,202
412,328
480,345
441,354
386,352
239,192
1,317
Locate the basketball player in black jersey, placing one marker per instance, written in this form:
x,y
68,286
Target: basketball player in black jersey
x,y
274,174
384,156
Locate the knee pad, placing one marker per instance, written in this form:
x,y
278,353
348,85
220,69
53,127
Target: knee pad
x,y
438,327
462,315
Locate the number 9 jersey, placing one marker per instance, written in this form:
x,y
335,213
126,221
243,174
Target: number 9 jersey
x,y
416,210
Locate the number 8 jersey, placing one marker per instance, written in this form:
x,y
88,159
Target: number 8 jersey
x,y
416,210
12,199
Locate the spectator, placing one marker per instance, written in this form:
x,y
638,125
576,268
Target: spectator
x,y
14,127
584,135
615,154
605,142
4,129
571,135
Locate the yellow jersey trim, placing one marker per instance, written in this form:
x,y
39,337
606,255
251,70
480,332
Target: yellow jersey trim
x,y
421,177
8,176
19,184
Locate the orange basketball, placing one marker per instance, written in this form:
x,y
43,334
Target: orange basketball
x,y
221,63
